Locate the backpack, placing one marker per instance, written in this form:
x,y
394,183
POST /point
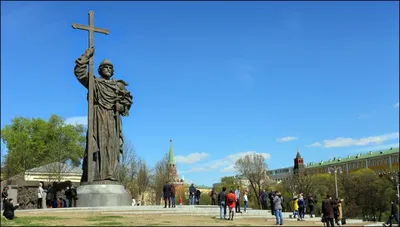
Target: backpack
x,y
336,212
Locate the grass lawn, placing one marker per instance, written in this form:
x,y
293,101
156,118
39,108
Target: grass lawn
x,y
159,219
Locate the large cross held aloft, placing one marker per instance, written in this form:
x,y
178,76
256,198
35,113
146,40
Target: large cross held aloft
x,y
91,29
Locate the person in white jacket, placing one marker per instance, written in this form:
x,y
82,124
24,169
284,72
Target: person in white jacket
x,y
40,196
245,201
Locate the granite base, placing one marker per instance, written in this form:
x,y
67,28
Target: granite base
x,y
102,195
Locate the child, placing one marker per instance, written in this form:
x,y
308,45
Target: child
x,y
180,201
295,207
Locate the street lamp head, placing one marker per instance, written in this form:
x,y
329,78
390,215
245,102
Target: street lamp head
x,y
341,171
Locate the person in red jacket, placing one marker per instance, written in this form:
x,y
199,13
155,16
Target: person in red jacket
x,y
231,203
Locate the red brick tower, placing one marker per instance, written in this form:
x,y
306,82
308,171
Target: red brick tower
x,y
298,164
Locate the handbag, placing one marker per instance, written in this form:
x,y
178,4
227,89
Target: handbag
x,y
343,221
323,219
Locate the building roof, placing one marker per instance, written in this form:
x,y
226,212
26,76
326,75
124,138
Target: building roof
x,y
350,158
171,154
48,167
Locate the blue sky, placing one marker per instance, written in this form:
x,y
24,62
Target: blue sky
x,y
219,78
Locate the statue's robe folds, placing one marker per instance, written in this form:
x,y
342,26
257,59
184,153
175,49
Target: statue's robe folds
x,y
107,135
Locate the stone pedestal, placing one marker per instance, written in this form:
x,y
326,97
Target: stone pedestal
x,y
102,194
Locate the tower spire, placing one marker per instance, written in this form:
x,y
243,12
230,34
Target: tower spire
x,y
298,153
171,154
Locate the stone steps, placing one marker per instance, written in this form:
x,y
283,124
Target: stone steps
x,y
202,210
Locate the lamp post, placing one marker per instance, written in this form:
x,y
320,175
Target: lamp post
x,y
335,169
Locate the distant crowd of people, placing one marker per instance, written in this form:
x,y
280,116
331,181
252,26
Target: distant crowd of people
x,y
52,201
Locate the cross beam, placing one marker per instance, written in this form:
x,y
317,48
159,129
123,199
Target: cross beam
x,y
91,29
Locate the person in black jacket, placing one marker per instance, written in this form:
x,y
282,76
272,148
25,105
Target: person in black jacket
x,y
4,196
167,195
311,205
192,192
327,211
49,196
74,196
393,215
271,196
173,201
197,197
222,202
9,209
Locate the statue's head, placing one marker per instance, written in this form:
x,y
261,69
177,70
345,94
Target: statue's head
x,y
106,69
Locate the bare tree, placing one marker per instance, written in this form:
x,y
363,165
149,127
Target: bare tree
x,y
254,168
159,176
303,184
58,171
127,169
143,179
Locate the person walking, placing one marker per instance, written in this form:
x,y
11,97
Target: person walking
x,y
245,201
302,206
394,214
310,205
278,208
192,192
337,212
237,203
231,203
295,207
327,211
222,203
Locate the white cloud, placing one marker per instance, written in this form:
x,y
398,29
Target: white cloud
x,y
316,144
224,164
396,105
191,158
195,170
347,142
76,120
228,169
286,139
377,148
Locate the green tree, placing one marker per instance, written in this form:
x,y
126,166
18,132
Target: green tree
x,y
366,195
229,182
35,142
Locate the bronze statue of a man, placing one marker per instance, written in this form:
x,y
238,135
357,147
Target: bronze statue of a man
x,y
110,100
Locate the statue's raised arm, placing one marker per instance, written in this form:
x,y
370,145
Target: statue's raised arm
x,y
80,69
